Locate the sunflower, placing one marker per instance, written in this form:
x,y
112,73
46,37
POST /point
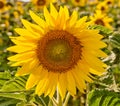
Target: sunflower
x,y
101,19
64,1
92,2
58,52
19,7
102,6
79,2
41,3
1,41
119,3
2,5
109,2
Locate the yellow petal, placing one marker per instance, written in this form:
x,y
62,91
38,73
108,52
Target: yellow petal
x,y
62,85
66,13
71,86
52,84
34,78
26,33
53,11
28,67
22,56
82,70
80,83
38,20
33,28
48,17
40,89
31,82
73,18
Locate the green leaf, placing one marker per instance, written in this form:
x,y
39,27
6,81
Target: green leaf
x,y
103,30
8,102
103,98
15,95
41,100
115,40
15,84
13,88
4,76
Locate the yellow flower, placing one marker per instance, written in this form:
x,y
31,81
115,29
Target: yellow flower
x,y
102,6
19,7
119,3
64,1
92,2
58,52
109,2
16,14
2,5
1,41
79,2
41,3
100,18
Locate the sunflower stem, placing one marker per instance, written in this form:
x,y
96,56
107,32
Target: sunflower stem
x,y
66,99
59,100
43,102
54,101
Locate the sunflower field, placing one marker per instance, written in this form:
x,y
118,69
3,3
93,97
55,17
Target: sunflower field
x,y
59,52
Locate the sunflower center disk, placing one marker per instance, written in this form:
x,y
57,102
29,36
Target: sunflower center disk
x,y
99,22
77,1
40,2
58,51
1,4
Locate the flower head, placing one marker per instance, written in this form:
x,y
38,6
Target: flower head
x,y
58,52
100,18
41,3
92,2
109,2
79,2
103,7
2,5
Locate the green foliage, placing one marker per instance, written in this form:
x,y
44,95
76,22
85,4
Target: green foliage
x,y
115,40
4,76
103,30
8,101
103,98
17,83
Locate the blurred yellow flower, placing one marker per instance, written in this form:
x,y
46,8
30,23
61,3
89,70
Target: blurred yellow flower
x,y
1,41
58,52
102,6
79,2
64,1
92,2
109,2
19,7
100,18
16,14
119,3
2,5
7,23
41,3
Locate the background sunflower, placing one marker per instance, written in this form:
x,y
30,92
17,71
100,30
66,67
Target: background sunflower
x,y
2,5
100,18
39,4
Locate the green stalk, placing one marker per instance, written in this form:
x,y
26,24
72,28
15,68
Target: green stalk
x,y
66,99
